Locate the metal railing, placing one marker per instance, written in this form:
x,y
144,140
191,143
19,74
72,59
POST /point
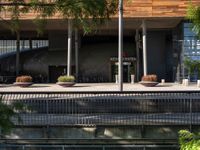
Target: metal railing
x,y
107,108
91,147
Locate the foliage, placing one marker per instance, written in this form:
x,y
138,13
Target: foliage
x,y
192,65
84,13
116,69
151,77
66,78
14,11
188,140
7,111
24,79
193,14
132,69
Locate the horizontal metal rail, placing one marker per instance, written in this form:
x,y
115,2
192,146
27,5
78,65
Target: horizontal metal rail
x,y
106,108
92,147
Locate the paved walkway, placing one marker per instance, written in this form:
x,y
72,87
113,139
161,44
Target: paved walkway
x,y
99,87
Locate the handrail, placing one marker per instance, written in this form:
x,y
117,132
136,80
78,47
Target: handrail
x,y
107,108
99,92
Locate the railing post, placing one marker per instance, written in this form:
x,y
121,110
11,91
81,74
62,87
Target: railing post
x,y
103,148
190,112
47,109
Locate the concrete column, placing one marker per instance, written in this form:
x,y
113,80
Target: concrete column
x,y
144,47
137,54
120,48
182,60
17,54
76,52
69,50
30,44
23,44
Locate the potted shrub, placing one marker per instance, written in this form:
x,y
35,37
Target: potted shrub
x,y
66,81
24,81
132,71
149,80
116,74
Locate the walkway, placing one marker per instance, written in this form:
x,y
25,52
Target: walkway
x,y
98,87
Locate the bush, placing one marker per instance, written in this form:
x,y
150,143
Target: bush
x,y
188,140
66,78
7,112
24,79
151,77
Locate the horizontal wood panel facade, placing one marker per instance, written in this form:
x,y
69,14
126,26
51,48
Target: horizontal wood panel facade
x,y
157,8
142,8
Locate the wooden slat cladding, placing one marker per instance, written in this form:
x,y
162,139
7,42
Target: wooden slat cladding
x,y
140,9
134,8
169,7
157,8
137,8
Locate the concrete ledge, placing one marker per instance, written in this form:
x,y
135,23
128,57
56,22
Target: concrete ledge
x,y
99,87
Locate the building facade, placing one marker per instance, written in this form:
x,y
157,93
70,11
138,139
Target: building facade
x,y
96,58
130,120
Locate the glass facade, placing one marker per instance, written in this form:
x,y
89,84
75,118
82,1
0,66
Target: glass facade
x,y
191,43
190,53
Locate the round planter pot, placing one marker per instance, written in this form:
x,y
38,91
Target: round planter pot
x,y
23,84
66,84
148,83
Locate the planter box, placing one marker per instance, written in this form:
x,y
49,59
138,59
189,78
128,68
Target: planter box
x,y
66,84
148,83
23,84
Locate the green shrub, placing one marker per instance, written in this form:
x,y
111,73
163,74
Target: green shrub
x,y
66,78
8,111
188,140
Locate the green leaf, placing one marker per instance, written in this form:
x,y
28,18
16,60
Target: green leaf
x,y
193,14
8,110
188,140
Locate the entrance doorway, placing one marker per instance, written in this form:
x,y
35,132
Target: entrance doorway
x,y
56,71
128,69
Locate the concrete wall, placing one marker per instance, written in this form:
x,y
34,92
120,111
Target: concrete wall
x,y
95,58
102,132
31,62
94,55
57,40
157,53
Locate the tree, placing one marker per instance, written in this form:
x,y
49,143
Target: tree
x,y
15,10
193,14
7,111
86,14
188,140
